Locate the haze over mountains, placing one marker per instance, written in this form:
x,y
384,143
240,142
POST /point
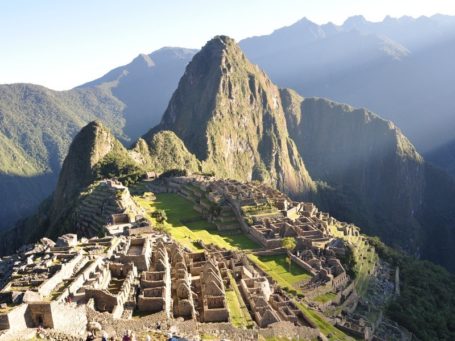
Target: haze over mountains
x,y
227,117
356,165
401,68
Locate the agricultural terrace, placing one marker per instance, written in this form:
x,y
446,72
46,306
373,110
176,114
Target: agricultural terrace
x,y
277,267
187,226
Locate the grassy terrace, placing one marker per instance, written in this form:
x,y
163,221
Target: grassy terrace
x,y
186,225
325,327
238,312
325,297
278,268
365,260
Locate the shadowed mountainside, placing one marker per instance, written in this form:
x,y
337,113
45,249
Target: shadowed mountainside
x,y
37,124
443,157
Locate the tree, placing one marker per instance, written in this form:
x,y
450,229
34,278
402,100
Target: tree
x,y
289,243
159,215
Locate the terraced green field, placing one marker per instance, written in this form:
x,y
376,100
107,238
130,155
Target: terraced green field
x,y
186,225
278,268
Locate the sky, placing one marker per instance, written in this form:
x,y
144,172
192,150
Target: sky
x,y
64,43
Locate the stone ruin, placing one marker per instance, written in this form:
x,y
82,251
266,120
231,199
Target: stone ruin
x,y
267,216
138,269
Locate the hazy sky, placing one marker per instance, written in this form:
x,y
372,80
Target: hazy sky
x,y
61,44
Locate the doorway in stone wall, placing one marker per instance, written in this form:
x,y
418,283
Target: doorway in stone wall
x,y
40,320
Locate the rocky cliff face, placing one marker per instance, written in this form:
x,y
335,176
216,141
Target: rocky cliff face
x,y
366,158
229,114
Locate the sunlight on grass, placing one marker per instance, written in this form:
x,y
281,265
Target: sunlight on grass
x,y
278,268
186,225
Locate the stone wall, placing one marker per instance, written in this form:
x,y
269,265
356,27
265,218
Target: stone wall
x,y
39,314
70,319
216,315
65,272
302,264
272,252
138,251
80,280
14,319
103,299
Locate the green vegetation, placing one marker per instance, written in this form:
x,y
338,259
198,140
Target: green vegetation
x,y
167,152
186,225
258,210
322,324
365,262
236,316
289,243
325,297
349,261
159,215
118,164
277,268
426,304
240,316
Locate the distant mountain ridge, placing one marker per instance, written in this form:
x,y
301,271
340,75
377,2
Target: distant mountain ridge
x,y
401,68
443,157
37,124
145,86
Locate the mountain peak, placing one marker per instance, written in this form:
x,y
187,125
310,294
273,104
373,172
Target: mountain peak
x,y
219,45
355,21
143,60
91,144
229,114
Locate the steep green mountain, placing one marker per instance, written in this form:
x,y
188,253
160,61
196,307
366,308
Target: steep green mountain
x,y
36,128
373,176
38,124
229,114
91,147
96,154
165,151
367,159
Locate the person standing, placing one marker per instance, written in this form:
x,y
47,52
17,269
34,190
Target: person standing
x,y
90,337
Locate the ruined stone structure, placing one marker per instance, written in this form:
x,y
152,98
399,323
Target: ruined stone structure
x,y
137,268
137,251
156,283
